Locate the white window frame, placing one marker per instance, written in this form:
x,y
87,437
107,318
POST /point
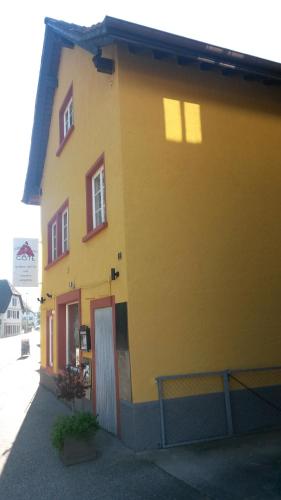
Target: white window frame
x,y
64,241
68,117
54,239
99,173
67,340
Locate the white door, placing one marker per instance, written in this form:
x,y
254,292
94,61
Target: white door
x,y
105,370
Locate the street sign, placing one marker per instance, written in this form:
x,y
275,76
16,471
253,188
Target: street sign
x,y
25,262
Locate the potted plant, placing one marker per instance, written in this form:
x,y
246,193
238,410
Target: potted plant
x,y
73,435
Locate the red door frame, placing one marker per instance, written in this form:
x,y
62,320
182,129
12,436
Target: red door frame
x,y
61,303
49,314
98,304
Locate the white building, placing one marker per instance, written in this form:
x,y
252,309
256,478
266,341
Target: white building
x,y
29,318
11,310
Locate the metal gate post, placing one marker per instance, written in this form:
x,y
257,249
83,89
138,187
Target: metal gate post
x,y
227,403
162,421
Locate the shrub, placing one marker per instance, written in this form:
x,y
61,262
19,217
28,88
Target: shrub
x,y
70,384
80,425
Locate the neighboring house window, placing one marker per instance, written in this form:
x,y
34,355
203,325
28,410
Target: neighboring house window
x,y
14,301
58,234
54,241
96,199
18,314
65,230
66,119
8,314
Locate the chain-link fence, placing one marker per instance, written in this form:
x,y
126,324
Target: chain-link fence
x,y
203,406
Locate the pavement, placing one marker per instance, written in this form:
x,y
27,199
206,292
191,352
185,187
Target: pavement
x,y
244,468
239,468
31,469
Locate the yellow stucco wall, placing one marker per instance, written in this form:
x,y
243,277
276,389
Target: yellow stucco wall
x,y
97,131
202,191
193,176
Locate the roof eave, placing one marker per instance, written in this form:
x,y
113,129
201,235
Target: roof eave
x,y
47,84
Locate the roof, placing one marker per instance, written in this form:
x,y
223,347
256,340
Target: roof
x,y
6,292
139,38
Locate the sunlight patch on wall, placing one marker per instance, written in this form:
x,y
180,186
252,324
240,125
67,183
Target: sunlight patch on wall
x,y
182,121
192,118
173,121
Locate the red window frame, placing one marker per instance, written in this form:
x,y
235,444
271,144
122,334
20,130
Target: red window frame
x,y
91,230
57,218
63,138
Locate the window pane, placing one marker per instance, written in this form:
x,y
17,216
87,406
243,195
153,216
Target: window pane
x,y
98,198
98,201
65,231
97,184
54,241
98,218
70,114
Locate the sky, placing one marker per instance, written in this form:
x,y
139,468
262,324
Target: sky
x,y
249,26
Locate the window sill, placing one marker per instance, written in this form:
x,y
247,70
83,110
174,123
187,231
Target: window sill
x,y
93,232
51,264
64,141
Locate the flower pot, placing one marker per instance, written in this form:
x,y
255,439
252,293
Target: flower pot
x,y
78,449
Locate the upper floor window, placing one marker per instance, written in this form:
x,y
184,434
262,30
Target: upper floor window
x,y
95,199
14,301
66,119
65,230
98,196
58,238
54,241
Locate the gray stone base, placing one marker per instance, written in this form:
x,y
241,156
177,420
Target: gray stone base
x,y
195,418
191,418
140,425
199,418
251,413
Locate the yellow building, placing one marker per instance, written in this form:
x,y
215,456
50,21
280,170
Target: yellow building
x,y
156,162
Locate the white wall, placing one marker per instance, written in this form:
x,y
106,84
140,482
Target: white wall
x,y
12,318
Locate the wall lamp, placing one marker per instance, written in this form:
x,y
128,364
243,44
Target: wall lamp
x,y
41,300
114,274
49,295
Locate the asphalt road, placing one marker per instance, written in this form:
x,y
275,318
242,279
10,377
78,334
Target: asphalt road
x,y
30,467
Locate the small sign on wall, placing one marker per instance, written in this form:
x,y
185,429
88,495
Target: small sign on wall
x,y
25,262
84,338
